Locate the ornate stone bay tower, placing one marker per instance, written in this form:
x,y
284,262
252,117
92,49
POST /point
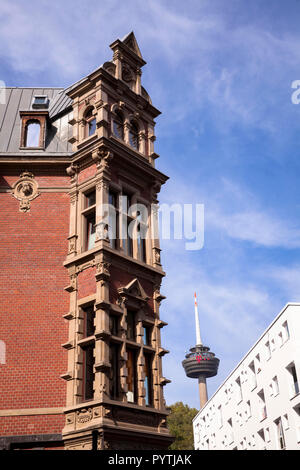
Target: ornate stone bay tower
x,y
114,377
200,362
85,164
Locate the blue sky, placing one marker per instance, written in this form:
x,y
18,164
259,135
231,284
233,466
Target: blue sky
x,y
221,73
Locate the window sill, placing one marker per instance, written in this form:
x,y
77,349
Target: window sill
x,y
294,396
87,140
86,341
32,148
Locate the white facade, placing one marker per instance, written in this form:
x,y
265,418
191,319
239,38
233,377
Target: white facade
x,y
258,405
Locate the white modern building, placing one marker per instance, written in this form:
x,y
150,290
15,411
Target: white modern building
x,y
258,405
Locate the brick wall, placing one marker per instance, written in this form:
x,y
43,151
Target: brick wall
x,y
33,247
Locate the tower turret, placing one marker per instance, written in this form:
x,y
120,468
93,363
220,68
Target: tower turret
x,y
200,362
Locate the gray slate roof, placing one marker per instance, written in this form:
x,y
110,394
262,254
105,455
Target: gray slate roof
x,y
20,99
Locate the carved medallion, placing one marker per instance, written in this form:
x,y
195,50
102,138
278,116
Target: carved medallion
x,y
25,190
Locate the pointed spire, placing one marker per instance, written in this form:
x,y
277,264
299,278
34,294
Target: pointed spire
x,y
130,41
198,336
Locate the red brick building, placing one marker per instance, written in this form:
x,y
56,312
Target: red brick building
x,y
80,348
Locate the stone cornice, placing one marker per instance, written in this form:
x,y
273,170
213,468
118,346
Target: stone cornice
x,y
89,81
121,150
38,158
124,261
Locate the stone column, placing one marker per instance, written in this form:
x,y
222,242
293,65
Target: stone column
x,y
72,238
154,228
72,376
142,142
102,332
138,86
102,157
102,106
126,131
123,353
117,58
140,362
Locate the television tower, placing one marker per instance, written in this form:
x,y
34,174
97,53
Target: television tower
x,y
200,363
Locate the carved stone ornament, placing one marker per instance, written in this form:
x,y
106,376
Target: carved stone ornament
x,y
102,270
25,190
127,73
156,252
102,157
72,171
84,415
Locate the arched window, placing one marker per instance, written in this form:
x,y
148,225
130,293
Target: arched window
x,y
118,125
134,136
90,123
33,131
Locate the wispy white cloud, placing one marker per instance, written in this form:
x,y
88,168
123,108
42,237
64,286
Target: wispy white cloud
x,y
258,227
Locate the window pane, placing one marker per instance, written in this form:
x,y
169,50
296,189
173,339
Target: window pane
x,y
88,383
114,373
89,316
131,325
90,198
92,126
133,137
118,129
91,231
131,376
148,380
33,134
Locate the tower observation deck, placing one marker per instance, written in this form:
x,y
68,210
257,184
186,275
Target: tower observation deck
x,y
200,362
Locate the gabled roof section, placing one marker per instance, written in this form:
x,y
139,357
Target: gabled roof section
x,y
130,41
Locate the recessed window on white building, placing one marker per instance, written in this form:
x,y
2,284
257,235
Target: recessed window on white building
x,y
268,350
261,439
253,381
239,394
285,422
280,336
275,386
262,405
286,333
257,360
230,432
220,416
273,345
279,434
293,379
297,421
248,409
267,434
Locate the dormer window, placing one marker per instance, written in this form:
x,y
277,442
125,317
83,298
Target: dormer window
x,y
40,102
33,129
90,123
